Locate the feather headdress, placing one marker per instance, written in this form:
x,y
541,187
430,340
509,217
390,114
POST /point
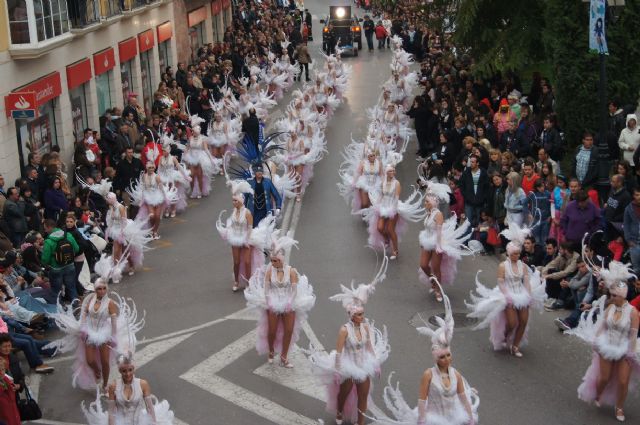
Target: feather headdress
x,y
281,244
195,120
439,191
103,188
516,234
354,298
442,334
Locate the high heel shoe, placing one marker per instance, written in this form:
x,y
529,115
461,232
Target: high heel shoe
x,y
394,255
596,403
339,418
284,362
270,358
515,351
620,414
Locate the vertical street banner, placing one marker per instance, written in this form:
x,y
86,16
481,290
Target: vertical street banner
x,y
597,38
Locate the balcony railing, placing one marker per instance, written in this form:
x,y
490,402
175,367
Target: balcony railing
x,y
83,13
110,8
135,4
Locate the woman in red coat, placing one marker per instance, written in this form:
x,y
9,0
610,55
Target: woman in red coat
x,y
8,408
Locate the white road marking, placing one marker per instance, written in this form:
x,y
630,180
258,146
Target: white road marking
x,y
204,375
49,422
300,378
156,349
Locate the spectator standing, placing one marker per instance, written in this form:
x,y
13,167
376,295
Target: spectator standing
x,y
629,139
127,172
55,201
529,178
304,59
251,126
425,125
474,185
134,109
631,227
496,200
550,139
369,27
585,161
381,34
515,199
543,157
3,195
581,217
615,206
539,202
13,214
58,253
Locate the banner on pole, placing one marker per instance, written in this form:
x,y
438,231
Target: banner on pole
x,y
597,37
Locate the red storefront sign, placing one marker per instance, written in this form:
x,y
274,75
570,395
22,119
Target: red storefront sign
x,y
216,7
127,50
78,73
196,16
226,3
20,105
104,61
165,32
41,91
145,41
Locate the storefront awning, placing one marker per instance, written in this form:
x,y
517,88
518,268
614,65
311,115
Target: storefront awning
x,y
78,73
145,40
127,50
165,32
32,96
104,61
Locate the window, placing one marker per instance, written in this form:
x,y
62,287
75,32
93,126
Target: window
x,y
145,75
126,74
164,54
33,21
216,32
79,115
103,87
18,21
37,135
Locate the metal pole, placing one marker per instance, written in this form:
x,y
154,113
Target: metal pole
x,y
602,94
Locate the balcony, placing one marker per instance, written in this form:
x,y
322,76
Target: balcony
x,y
83,14
130,5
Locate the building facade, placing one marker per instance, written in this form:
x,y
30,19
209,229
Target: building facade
x,y
63,63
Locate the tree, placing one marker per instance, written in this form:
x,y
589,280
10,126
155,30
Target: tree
x,y
501,35
576,70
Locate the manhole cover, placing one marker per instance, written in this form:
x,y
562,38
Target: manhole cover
x,y
461,320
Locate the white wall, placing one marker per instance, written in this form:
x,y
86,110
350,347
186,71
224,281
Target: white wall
x,y
17,73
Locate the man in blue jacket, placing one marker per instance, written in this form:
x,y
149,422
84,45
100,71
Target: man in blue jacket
x,y
265,195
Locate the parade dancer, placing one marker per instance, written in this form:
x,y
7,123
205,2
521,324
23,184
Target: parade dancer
x,y
505,308
106,326
201,164
387,215
221,136
173,175
130,401
441,242
126,235
368,179
359,354
445,397
247,243
613,336
152,197
283,298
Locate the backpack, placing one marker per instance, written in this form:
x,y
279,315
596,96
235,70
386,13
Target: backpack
x,y
64,254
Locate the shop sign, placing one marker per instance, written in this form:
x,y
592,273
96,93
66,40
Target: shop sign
x,y
21,105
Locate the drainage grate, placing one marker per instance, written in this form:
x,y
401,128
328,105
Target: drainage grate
x,y
461,320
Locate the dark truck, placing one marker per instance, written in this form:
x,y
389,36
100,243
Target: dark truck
x,y
343,27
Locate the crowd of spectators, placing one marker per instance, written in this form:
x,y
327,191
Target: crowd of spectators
x,y
501,147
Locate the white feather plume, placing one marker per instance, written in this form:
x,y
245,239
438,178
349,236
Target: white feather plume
x,y
359,295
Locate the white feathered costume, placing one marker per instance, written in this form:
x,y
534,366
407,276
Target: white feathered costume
x,y
97,327
522,288
266,293
609,338
360,359
444,406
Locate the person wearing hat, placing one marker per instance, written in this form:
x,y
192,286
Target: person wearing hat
x,y
265,196
514,103
503,118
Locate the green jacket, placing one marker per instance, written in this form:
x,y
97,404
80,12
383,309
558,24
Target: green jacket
x,y
50,244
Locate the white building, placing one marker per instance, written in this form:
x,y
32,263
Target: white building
x,y
64,62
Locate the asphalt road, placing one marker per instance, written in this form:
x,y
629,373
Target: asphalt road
x,y
198,351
